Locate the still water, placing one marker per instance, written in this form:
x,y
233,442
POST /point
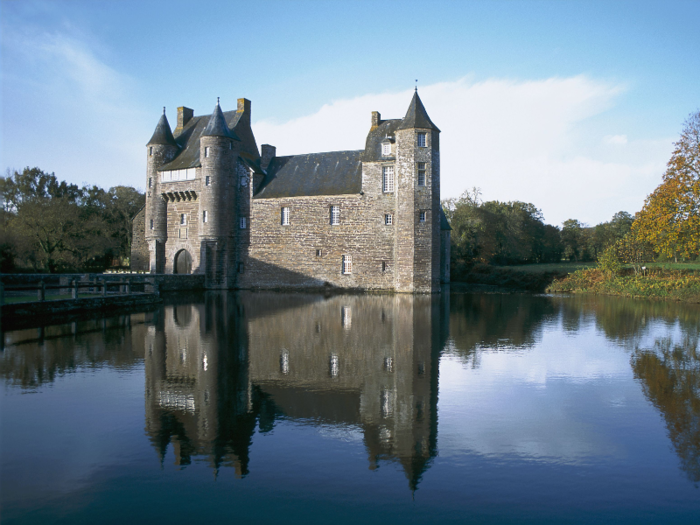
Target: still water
x,y
274,408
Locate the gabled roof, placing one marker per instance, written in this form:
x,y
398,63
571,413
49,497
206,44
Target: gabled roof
x,y
330,173
444,224
162,135
416,116
217,126
188,139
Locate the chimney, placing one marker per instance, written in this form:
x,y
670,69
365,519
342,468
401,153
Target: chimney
x,y
376,119
244,105
184,115
268,153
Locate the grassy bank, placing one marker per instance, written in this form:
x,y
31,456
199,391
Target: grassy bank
x,y
656,283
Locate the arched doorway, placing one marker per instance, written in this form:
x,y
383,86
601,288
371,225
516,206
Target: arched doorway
x,y
183,262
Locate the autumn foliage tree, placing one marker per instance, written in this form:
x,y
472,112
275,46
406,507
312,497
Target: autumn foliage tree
x,y
670,219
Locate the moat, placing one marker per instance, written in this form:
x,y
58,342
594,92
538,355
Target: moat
x,y
300,408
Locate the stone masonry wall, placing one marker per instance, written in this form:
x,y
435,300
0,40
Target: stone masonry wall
x,y
286,256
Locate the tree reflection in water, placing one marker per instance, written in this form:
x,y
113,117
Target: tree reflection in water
x,y
670,376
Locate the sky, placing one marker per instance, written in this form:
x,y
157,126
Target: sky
x,y
572,106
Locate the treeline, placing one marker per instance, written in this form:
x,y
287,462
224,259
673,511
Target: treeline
x,y
512,233
47,225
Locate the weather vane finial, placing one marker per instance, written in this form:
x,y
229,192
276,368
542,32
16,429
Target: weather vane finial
x,y
416,85
217,101
163,110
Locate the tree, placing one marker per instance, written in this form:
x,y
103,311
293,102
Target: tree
x,y
572,239
670,218
55,226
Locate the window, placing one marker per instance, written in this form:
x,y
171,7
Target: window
x,y
386,148
334,366
285,216
388,219
319,253
244,180
421,140
207,180
204,216
230,145
150,151
384,266
150,182
243,222
206,151
421,216
183,218
284,362
421,174
335,215
151,224
347,264
388,179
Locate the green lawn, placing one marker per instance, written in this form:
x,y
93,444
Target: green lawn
x,y
570,267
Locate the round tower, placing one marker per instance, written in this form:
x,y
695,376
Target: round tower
x,y
218,154
418,202
160,150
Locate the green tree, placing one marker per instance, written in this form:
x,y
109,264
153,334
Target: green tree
x,y
572,238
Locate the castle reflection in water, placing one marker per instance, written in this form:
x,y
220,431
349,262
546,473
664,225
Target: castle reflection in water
x,y
220,370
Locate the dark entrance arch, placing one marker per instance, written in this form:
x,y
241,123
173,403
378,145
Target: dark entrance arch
x,y
183,262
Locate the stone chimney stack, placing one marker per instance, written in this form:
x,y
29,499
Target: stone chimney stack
x,y
268,153
376,119
184,115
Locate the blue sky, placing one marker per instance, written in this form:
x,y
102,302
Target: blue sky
x,y
572,106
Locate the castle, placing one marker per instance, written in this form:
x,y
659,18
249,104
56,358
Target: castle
x,y
368,219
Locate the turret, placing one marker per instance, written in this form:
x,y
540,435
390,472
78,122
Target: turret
x,y
418,201
218,153
160,150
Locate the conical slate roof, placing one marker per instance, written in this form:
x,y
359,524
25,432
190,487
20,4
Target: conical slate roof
x,y
217,125
162,134
416,116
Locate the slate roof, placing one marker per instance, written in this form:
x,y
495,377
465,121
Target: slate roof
x,y
217,127
417,116
162,135
188,139
330,173
444,224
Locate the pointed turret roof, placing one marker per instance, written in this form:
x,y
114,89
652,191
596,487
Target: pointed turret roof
x,y
416,116
217,125
162,134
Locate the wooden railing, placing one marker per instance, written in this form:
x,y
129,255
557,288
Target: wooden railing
x,y
97,287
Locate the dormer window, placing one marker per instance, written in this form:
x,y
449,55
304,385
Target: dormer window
x,y
386,148
206,151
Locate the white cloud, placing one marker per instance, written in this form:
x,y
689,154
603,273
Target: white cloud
x,y
66,110
516,140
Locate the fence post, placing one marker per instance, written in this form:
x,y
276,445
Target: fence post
x,y
41,294
75,288
2,294
104,287
128,286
